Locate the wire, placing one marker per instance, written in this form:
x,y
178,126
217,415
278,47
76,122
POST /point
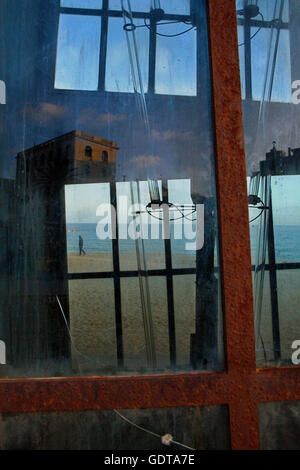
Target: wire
x,y
256,32
70,335
167,35
252,220
165,22
185,215
174,218
117,412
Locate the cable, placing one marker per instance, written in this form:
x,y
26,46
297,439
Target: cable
x,y
183,216
167,35
256,32
252,220
70,335
150,432
117,412
165,22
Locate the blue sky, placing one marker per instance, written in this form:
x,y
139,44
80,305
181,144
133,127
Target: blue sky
x,y
82,200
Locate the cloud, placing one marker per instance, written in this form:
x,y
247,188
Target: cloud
x,y
163,136
52,110
45,111
88,117
145,161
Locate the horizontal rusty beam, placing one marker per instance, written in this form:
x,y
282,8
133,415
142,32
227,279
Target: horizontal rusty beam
x,y
148,391
86,393
278,384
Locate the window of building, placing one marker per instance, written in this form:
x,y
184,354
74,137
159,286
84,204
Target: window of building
x,y
88,151
68,150
105,156
264,49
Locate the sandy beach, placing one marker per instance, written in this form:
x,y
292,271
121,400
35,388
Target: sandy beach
x,y
92,314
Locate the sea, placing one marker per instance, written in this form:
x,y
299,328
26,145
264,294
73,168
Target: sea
x,y
287,242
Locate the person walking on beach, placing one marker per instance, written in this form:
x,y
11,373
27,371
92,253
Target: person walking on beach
x,y
81,250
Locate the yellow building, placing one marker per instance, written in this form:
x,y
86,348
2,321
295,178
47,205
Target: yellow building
x,y
75,157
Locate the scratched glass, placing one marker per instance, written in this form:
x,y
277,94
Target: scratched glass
x,y
110,242
138,429
279,425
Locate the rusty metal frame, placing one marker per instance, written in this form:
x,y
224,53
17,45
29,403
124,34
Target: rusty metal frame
x,y
241,386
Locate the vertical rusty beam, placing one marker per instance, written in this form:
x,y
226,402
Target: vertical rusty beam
x,y
233,221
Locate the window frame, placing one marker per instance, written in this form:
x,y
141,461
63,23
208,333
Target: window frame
x,y
241,385
247,25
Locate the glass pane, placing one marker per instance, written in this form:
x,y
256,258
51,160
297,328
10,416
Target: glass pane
x,y
119,75
268,9
110,245
147,248
145,324
179,7
176,60
78,49
81,3
182,224
274,9
88,247
200,428
269,63
242,58
281,82
92,326
279,425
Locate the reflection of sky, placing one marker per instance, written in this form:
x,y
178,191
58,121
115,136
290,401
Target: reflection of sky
x,y
81,3
118,72
176,61
270,9
181,7
285,200
78,52
266,7
260,45
136,5
82,200
281,90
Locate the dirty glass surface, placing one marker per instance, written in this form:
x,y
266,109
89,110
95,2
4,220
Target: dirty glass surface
x,y
198,428
109,236
268,33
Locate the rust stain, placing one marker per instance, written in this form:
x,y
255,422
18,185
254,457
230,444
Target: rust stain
x,y
233,221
